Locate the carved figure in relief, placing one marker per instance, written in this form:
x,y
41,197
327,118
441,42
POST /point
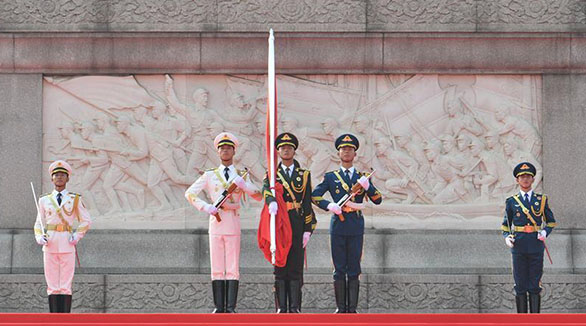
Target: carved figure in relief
x,y
495,150
400,172
488,170
405,142
458,121
515,125
448,187
162,164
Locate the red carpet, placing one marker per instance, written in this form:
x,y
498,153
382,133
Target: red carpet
x,y
292,319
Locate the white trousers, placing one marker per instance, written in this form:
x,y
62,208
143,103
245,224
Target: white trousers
x,y
225,256
59,270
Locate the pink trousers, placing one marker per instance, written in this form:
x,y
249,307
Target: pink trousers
x,y
59,270
225,256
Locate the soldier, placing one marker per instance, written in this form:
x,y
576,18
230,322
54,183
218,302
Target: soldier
x,y
528,221
56,213
297,184
224,233
347,234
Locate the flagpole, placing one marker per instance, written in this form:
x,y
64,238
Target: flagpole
x,y
271,145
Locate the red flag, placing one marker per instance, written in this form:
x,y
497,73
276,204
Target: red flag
x,y
282,229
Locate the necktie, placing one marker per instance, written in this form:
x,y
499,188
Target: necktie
x,y
526,199
226,174
288,171
348,175
58,198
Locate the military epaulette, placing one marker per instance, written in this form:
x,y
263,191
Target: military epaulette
x,y
45,195
332,171
209,170
300,169
75,194
241,172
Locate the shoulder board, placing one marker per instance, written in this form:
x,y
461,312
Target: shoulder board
x,y
75,194
510,197
538,194
208,170
300,169
45,195
332,171
241,172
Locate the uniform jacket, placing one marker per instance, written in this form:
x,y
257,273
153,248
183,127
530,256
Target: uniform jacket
x,y
338,187
214,183
297,193
516,218
58,220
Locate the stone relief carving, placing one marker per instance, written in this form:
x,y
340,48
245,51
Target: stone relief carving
x,y
65,12
32,296
532,12
423,296
295,12
187,15
443,146
422,12
379,296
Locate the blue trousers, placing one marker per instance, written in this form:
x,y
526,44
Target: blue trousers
x,y
527,271
346,254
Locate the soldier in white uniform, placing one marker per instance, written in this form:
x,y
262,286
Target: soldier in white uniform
x,y
224,235
57,212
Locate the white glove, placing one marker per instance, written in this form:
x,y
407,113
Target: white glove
x,y
211,209
363,181
510,241
74,239
273,208
334,208
542,235
239,181
354,205
42,240
306,236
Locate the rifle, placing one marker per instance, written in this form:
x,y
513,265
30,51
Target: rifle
x,y
353,192
225,195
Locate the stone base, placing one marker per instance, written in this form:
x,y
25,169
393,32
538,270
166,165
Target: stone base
x,y
388,293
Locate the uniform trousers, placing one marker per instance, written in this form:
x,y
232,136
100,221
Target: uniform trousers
x,y
225,256
59,270
527,272
346,255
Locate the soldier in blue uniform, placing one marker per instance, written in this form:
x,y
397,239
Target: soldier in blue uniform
x,y
527,223
296,182
346,233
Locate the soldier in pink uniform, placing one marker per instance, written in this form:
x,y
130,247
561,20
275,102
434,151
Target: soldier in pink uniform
x,y
224,234
58,211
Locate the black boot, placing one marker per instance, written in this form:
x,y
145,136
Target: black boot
x,y
340,292
534,303
521,301
53,303
294,296
66,303
353,289
231,295
218,290
281,296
